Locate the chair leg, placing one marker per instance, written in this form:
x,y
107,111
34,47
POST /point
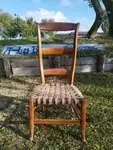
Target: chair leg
x,y
83,120
72,109
31,118
75,110
41,107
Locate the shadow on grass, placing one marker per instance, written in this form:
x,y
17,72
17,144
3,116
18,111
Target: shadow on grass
x,y
98,79
20,83
16,117
5,102
17,121
23,80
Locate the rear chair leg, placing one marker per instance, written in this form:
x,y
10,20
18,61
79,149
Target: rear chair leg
x,y
83,120
31,118
72,109
41,107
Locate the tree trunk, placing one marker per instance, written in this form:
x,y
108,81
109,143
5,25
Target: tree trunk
x,y
98,20
93,30
109,8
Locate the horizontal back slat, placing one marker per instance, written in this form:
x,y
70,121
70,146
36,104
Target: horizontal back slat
x,y
57,51
55,71
57,26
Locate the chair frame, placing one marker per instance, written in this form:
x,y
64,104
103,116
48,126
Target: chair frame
x,y
56,26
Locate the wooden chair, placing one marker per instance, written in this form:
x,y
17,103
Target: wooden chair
x,y
57,93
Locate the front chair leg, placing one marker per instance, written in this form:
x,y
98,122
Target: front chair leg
x,y
31,118
83,120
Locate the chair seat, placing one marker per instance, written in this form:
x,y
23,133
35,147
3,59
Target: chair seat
x,y
58,93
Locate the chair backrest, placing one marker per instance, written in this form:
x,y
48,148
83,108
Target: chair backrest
x,y
58,26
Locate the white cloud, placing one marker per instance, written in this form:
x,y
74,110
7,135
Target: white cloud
x,y
40,14
65,2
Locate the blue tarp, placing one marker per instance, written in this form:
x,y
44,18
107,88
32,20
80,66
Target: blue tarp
x,y
33,49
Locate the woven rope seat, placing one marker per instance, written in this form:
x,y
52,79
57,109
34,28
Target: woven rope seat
x,y
56,93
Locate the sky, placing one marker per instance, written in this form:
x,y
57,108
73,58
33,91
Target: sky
x,y
59,10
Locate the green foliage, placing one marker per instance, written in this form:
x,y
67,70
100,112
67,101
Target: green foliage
x,y
20,27
12,27
5,19
31,27
16,27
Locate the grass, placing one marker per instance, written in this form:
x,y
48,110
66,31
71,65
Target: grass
x,y
14,131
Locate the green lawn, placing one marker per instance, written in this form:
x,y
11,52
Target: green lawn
x,y
14,131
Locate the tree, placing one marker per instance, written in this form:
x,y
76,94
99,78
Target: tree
x,y
16,28
5,20
31,27
21,28
100,12
44,20
109,8
105,24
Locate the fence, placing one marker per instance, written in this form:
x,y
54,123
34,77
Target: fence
x,y
29,65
